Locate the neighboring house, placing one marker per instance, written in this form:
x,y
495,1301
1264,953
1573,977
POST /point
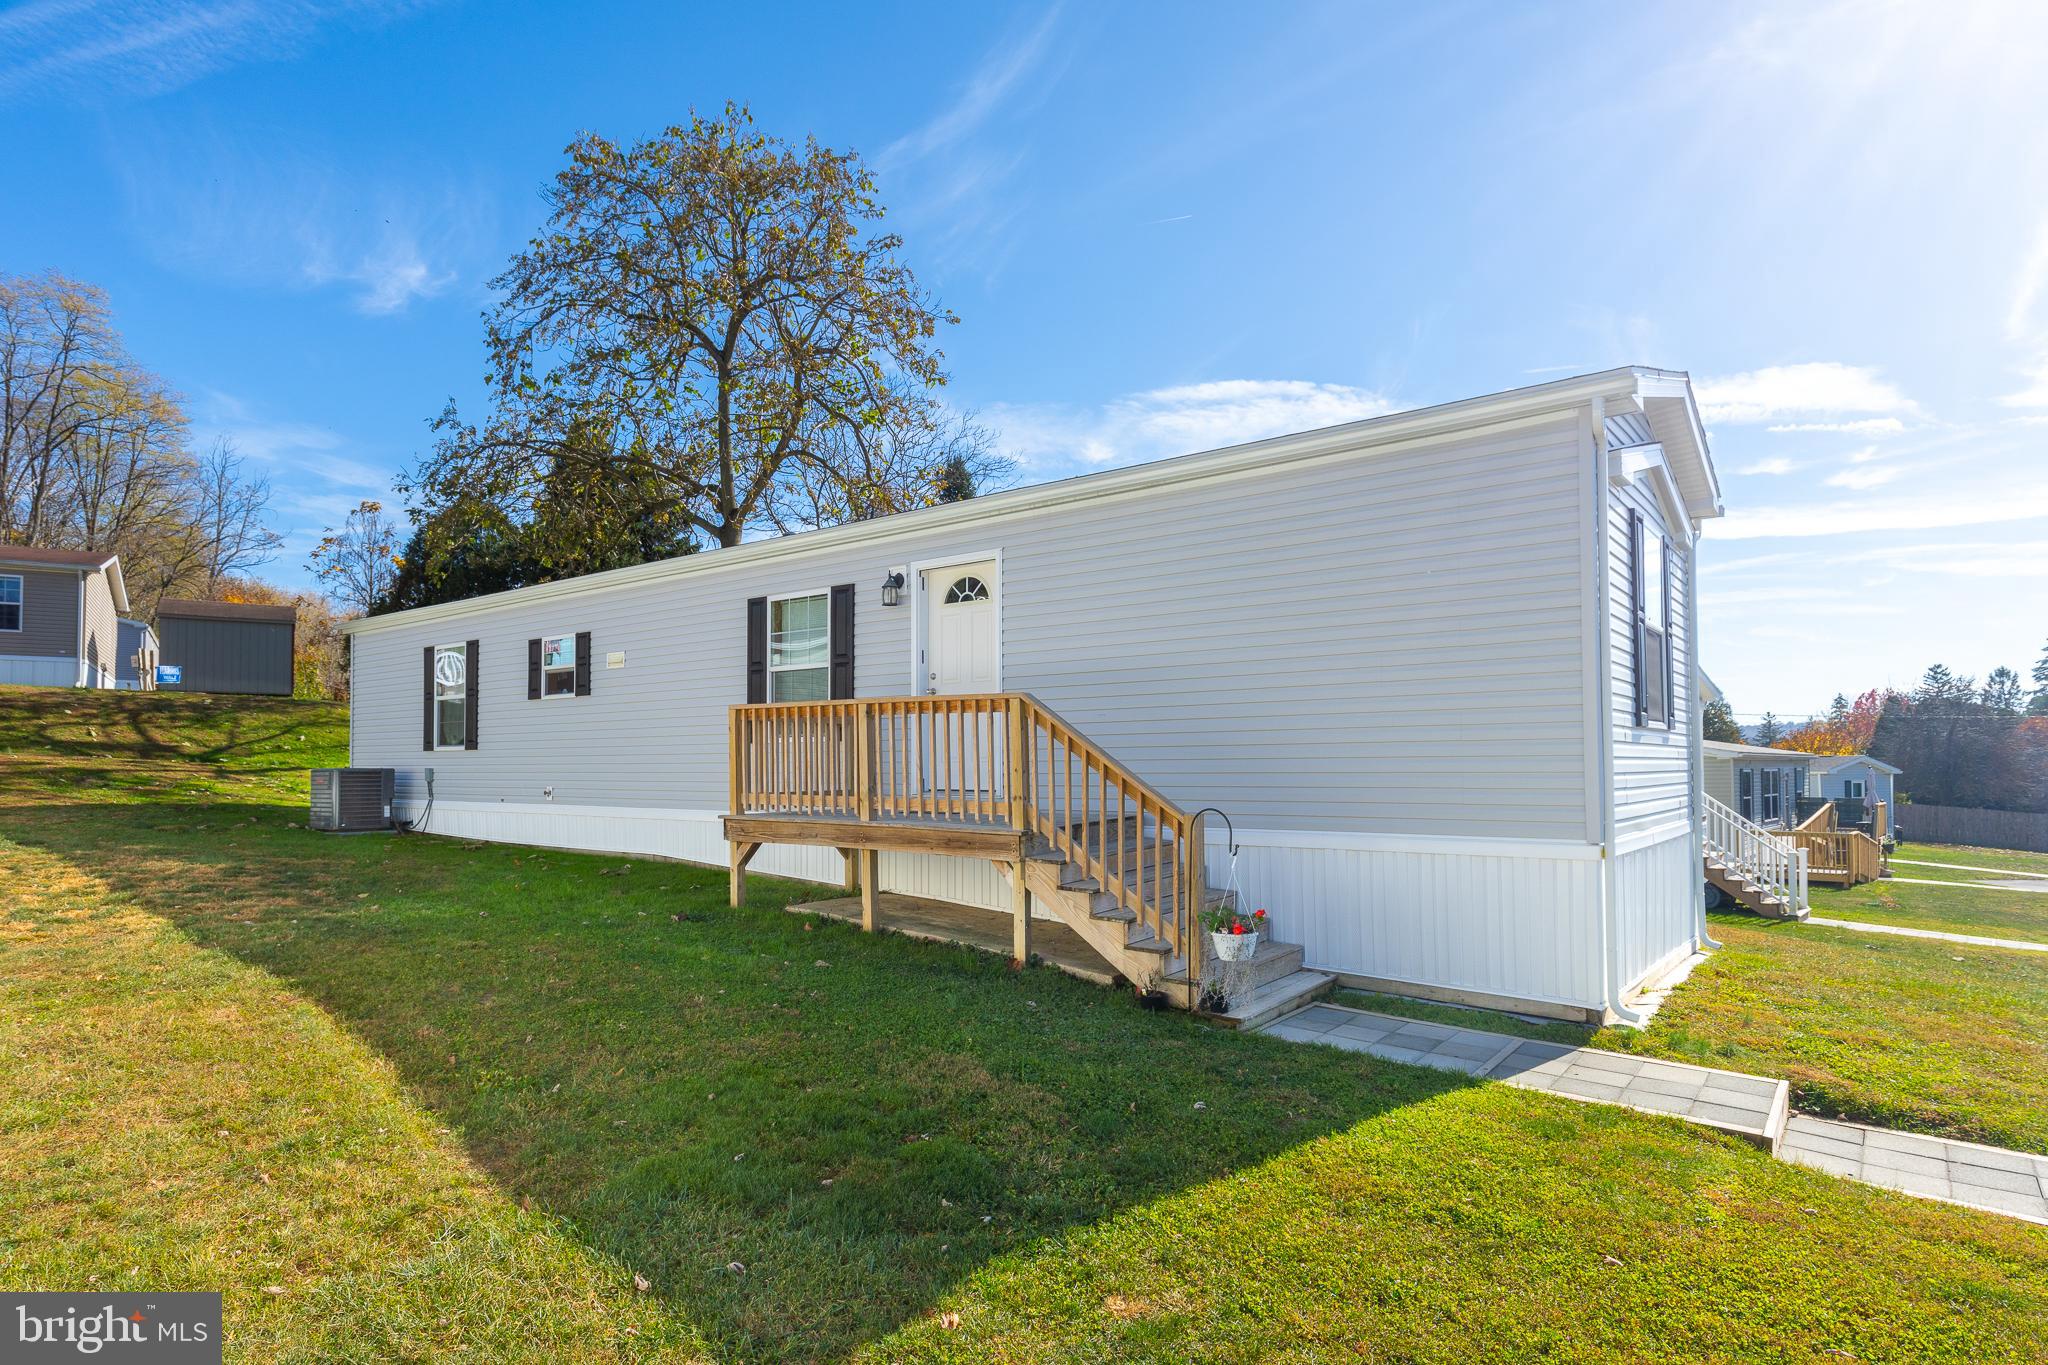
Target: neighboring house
x,y
59,616
135,664
1855,783
227,646
1435,666
1761,784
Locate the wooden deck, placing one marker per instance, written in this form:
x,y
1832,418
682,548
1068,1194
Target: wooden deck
x,y
988,930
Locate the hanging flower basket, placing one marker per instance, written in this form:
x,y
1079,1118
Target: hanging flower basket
x,y
1233,935
1234,947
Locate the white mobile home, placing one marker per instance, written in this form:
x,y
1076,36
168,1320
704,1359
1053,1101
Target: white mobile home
x,y
1434,666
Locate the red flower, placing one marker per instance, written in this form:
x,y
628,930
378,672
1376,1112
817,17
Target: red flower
x,y
1237,928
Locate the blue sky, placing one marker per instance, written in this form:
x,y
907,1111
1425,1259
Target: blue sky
x,y
1166,228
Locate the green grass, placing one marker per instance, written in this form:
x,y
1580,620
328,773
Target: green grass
x,y
1936,1037
451,1099
1987,911
2017,860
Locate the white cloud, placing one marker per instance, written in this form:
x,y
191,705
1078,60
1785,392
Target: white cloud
x,y
1774,465
100,47
991,83
1817,388
389,275
260,215
1862,426
2035,395
1176,421
1896,513
1861,477
1863,456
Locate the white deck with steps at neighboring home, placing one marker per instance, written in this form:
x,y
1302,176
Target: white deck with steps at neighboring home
x,y
1753,1108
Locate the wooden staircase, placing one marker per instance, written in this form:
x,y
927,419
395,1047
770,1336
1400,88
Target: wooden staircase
x,y
1758,869
1000,776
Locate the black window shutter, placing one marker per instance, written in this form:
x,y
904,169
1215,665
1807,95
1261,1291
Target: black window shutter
x,y
842,642
757,649
533,670
1670,683
469,682
1638,615
429,675
582,663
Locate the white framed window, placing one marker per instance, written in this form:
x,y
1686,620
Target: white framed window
x,y
1852,788
1656,630
800,647
451,696
10,601
558,665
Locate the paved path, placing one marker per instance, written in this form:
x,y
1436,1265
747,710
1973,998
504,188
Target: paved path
x,y
1966,867
1750,1107
2014,885
1973,940
1960,1172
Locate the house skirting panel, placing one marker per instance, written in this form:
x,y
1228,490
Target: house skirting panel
x,y
1656,910
1504,920
1514,920
32,671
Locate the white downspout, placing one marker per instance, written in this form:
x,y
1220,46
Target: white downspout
x,y
79,643
1603,729
1695,756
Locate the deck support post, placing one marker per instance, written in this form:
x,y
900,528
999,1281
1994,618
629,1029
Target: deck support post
x,y
742,854
870,864
1020,916
852,878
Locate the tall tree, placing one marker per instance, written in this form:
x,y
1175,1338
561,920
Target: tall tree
x,y
2038,704
2003,692
719,303
1768,730
358,559
1717,722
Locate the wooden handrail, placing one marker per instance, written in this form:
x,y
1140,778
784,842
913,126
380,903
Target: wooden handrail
x,y
1824,819
994,759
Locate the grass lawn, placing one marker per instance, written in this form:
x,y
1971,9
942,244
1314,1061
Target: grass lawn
x,y
1935,1037
404,1098
1993,912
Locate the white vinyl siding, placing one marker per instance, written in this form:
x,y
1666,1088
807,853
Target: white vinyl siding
x,y
1383,641
1652,763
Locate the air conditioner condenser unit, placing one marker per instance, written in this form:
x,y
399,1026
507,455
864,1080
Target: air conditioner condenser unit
x,y
352,800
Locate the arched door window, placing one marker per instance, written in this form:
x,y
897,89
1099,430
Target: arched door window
x,y
966,589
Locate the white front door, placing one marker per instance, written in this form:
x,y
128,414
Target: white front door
x,y
961,635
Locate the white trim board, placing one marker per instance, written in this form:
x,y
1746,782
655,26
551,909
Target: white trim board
x,y
1627,387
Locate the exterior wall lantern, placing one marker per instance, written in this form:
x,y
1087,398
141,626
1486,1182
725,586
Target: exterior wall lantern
x,y
892,589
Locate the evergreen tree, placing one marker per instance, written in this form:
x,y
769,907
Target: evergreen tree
x,y
956,480
1717,722
2039,705
2002,691
1768,730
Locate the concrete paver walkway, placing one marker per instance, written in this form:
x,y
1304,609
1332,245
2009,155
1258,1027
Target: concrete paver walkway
x,y
1991,1178
1750,1107
1974,940
1753,1108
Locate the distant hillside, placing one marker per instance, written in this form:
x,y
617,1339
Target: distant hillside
x,y
71,746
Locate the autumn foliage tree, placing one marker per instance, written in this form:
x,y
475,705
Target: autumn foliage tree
x,y
724,308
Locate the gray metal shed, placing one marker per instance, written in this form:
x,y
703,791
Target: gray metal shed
x,y
227,646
